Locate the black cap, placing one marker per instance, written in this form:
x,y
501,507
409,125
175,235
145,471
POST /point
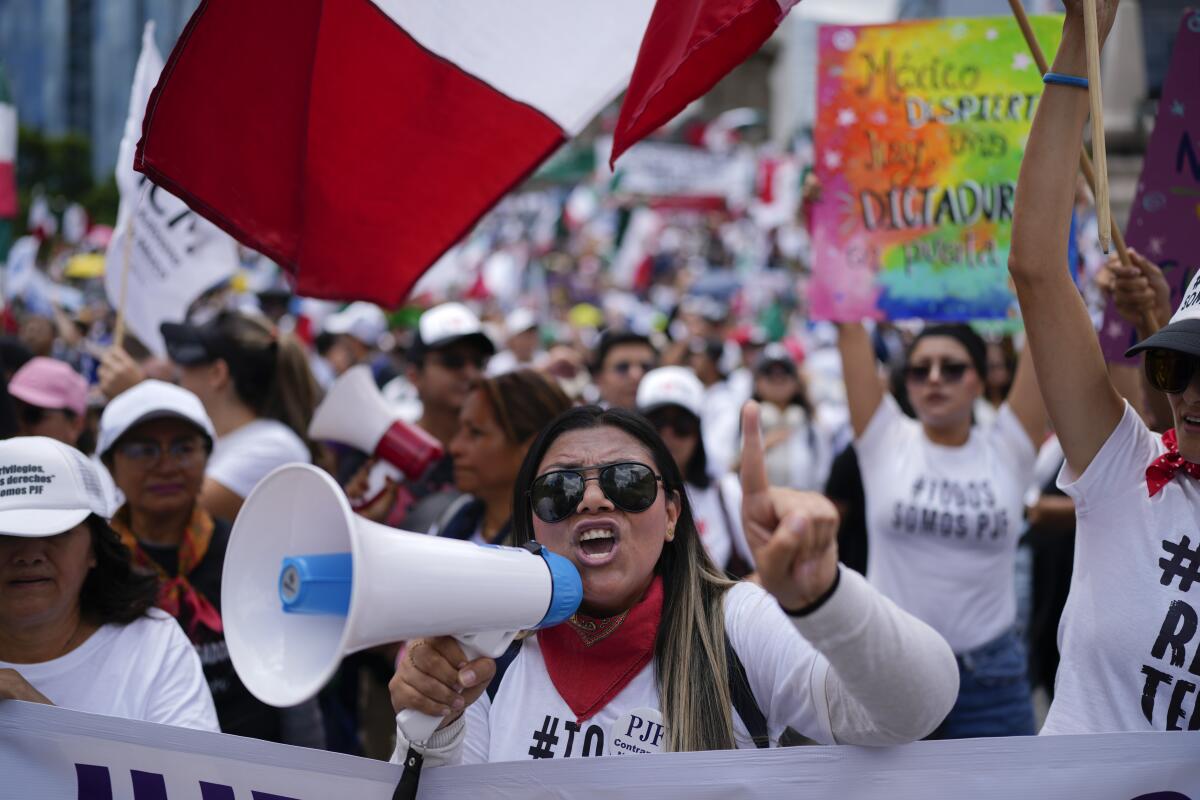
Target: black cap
x,y
1183,336
189,344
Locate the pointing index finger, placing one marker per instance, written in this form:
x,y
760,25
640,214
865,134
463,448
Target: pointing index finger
x,y
754,462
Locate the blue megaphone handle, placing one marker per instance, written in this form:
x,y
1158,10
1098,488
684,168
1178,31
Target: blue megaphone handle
x,y
318,584
566,589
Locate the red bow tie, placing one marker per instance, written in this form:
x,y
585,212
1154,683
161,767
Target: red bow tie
x,y
1163,469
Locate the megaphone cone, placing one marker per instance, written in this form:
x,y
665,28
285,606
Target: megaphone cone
x,y
355,413
307,582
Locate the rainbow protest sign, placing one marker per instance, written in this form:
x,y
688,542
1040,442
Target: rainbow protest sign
x,y
920,132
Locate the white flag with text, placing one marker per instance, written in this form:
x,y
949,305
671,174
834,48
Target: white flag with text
x,y
174,254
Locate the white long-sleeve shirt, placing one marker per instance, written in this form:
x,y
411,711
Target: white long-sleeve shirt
x,y
858,670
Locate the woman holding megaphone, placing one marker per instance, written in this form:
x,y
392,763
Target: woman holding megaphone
x,y
665,653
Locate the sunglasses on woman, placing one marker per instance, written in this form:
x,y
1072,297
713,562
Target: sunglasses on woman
x,y
951,371
682,423
456,359
631,487
1170,371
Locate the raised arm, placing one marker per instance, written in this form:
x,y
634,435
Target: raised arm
x,y
864,392
1070,367
1026,401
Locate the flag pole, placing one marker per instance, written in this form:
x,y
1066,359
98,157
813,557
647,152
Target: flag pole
x,y
126,259
1095,95
1108,226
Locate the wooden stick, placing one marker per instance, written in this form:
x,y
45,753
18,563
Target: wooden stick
x,y
1091,33
1085,163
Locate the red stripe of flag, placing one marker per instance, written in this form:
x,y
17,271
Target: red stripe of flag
x,y
324,136
8,189
689,45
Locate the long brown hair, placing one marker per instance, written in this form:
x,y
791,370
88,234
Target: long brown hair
x,y
523,402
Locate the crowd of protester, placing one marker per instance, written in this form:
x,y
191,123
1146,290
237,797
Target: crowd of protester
x,y
923,456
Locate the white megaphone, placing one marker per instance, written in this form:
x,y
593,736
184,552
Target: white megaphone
x,y
307,582
355,413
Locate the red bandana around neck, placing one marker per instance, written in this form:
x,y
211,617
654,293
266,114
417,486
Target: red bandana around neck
x,y
1164,468
590,660
176,595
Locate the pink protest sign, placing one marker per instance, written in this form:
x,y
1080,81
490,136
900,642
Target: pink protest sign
x,y
1165,223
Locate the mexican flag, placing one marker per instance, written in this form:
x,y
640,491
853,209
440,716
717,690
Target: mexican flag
x,y
8,151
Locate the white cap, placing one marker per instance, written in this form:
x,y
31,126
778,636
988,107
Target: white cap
x,y
670,386
449,322
146,401
46,487
519,321
364,321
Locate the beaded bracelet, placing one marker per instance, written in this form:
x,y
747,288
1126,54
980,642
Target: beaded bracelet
x,y
1058,79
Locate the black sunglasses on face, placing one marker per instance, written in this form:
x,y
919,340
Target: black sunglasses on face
x,y
951,371
455,360
682,423
777,372
1170,371
631,487
624,367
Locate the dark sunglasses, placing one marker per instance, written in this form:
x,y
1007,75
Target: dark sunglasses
x,y
31,415
682,423
951,371
777,372
455,360
624,367
1170,371
631,487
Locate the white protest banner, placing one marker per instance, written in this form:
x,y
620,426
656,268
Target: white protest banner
x,y
679,175
175,254
20,271
48,752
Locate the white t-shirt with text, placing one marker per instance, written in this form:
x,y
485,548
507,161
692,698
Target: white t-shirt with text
x,y
146,670
858,670
943,522
243,457
1129,635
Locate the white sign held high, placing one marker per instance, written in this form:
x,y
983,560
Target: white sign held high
x,y
174,254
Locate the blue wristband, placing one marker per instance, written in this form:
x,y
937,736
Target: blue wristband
x,y
1058,79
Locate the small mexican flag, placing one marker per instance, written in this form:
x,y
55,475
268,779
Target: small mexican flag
x,y
8,151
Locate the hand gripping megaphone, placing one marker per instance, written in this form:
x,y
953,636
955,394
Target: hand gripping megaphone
x,y
307,582
355,413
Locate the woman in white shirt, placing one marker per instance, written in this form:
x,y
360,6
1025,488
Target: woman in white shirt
x,y
799,449
944,509
257,387
1129,634
663,646
76,624
672,398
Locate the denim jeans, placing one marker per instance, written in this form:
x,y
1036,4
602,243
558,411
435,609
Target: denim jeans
x,y
994,697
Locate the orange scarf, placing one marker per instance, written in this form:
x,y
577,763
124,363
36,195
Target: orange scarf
x,y
176,595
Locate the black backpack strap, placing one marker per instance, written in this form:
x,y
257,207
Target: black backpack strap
x,y
502,665
743,698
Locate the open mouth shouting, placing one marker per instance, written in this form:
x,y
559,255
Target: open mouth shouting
x,y
596,541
